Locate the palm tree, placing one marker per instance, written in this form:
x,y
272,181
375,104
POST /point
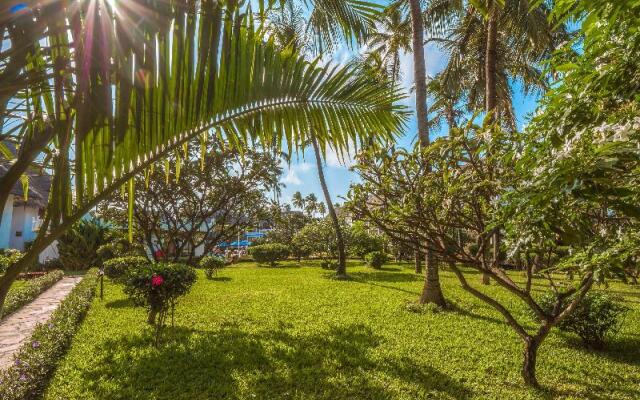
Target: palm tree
x,y
406,33
146,91
311,204
298,201
389,40
322,209
356,18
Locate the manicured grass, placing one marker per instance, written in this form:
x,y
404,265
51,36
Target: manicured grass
x,y
293,333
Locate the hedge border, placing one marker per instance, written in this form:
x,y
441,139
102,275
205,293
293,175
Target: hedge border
x,y
38,358
25,294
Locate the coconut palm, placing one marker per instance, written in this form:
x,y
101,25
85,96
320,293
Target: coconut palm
x,y
161,77
287,33
389,40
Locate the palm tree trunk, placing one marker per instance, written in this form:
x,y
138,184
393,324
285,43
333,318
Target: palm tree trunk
x,y
431,292
491,60
341,271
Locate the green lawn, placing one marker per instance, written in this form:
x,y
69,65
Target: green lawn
x,y
292,333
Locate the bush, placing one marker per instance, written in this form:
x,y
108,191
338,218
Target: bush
x,y
8,257
116,245
269,253
596,318
158,286
376,259
328,264
116,268
37,359
29,291
78,246
211,265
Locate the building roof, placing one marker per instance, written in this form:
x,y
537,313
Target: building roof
x,y
39,182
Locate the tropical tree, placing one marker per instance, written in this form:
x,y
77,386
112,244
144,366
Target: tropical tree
x,y
98,115
289,36
202,203
388,41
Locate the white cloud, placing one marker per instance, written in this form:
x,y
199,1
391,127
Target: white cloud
x,y
335,160
292,174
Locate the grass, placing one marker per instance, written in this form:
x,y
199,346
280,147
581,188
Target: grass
x,y
294,333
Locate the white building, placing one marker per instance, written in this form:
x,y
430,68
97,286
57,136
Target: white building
x,y
21,217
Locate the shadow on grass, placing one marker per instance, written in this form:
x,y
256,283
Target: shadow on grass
x,y
620,349
270,364
220,279
120,303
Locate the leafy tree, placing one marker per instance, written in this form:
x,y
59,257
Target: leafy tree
x,y
210,199
319,238
450,187
362,241
171,79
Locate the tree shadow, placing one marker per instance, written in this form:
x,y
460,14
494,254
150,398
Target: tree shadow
x,y
232,363
624,350
383,276
120,303
220,279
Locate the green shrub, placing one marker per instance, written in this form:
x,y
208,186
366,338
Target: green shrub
x,y
116,245
78,246
211,265
597,317
158,286
328,264
8,257
37,359
29,291
269,253
376,259
116,268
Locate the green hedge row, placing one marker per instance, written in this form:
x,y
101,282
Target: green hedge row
x,y
36,361
29,291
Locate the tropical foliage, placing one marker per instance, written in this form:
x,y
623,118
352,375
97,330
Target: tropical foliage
x,y
188,70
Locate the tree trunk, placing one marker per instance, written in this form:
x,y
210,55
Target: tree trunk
x,y
491,60
431,292
491,99
531,345
417,261
341,271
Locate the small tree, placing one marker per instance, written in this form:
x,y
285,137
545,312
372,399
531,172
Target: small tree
x,y
158,286
211,265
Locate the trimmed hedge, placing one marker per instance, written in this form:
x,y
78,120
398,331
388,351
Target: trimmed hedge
x,y
29,291
37,359
116,268
269,253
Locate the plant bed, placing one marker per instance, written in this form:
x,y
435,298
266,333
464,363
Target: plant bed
x,y
37,359
29,291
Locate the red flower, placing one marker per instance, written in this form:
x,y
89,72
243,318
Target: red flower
x,y
157,280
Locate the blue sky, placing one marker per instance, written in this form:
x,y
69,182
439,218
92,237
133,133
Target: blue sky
x,y
302,174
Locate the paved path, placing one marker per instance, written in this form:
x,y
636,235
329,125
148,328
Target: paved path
x,y
17,327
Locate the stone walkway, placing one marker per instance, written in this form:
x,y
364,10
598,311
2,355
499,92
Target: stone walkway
x,y
16,328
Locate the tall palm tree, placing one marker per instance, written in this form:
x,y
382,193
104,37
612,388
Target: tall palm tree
x,y
356,18
298,200
184,70
403,30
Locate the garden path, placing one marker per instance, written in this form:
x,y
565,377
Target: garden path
x,y
17,327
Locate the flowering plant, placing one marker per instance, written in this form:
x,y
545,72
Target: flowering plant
x,y
157,287
157,280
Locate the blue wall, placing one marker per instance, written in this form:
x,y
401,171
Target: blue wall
x,y
5,226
